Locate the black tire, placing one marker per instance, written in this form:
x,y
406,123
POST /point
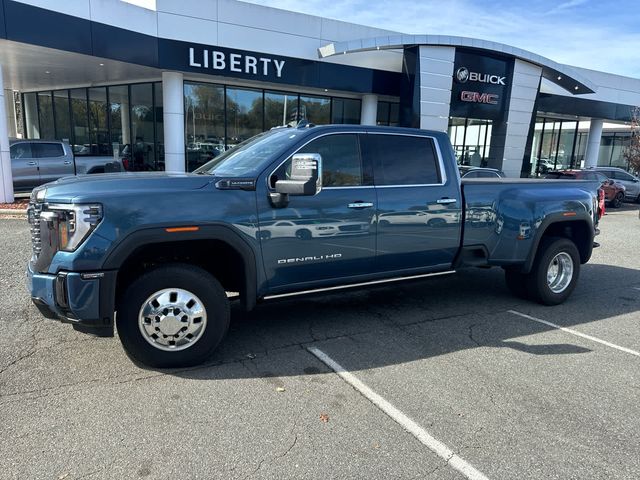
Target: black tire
x,y
303,234
516,283
617,200
537,284
182,276
638,199
436,222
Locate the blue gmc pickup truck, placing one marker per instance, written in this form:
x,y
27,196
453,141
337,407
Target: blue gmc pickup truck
x,y
290,211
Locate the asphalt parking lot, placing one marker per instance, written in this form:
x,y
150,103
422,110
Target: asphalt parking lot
x,y
446,378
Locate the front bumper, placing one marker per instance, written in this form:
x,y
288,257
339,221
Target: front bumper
x,y
86,300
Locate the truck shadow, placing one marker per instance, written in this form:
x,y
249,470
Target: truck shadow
x,y
406,322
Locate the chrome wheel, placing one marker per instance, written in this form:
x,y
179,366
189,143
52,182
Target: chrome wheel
x,y
172,319
560,272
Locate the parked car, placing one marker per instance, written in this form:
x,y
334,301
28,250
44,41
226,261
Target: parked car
x,y
480,172
614,191
162,249
36,162
630,182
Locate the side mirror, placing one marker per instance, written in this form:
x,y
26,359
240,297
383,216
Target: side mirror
x,y
305,178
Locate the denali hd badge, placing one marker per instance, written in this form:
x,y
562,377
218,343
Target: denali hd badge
x,y
315,258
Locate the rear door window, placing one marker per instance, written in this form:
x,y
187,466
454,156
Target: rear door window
x,y
48,150
403,160
622,176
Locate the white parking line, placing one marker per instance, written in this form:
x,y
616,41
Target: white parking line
x,y
436,446
578,334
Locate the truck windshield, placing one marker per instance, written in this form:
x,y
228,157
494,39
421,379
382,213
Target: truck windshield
x,y
248,156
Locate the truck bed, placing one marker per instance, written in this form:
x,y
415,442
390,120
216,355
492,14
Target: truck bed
x,y
501,213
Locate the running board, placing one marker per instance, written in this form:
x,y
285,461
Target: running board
x,y
355,285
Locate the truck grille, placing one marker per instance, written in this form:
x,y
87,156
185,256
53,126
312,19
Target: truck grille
x,y
33,215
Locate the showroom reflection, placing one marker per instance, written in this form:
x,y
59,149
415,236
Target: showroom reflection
x,y
127,120
219,117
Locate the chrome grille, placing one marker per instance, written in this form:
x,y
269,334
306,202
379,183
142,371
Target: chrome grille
x,y
33,214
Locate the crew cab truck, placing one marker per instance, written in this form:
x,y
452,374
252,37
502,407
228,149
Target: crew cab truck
x,y
158,252
36,162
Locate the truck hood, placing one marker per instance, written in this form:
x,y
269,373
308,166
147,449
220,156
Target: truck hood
x,y
81,187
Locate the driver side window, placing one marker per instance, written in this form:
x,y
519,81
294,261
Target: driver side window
x,y
341,161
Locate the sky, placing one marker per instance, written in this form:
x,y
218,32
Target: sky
x,y
600,35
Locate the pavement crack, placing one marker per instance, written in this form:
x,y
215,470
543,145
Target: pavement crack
x,y
470,333
286,452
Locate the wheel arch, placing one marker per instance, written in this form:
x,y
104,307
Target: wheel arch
x,y
578,229
217,249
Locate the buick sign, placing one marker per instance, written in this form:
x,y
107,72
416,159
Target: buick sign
x,y
463,74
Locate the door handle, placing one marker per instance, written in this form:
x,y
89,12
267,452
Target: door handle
x,y
67,162
32,163
445,201
360,205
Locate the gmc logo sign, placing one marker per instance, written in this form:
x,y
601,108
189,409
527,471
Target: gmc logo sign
x,y
477,97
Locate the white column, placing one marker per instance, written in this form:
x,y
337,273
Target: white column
x,y
10,106
30,112
369,111
436,80
524,90
126,124
173,105
6,178
593,143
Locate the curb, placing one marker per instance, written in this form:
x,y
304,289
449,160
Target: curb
x,y
10,211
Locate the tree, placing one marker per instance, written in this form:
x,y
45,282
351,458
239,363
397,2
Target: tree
x,y
632,152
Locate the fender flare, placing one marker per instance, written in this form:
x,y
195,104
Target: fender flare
x,y
544,226
117,255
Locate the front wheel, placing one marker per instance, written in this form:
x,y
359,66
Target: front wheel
x,y
555,271
173,316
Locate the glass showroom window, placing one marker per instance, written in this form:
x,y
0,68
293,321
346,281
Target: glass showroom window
x,y
345,110
80,121
556,145
315,110
280,109
244,115
383,113
471,139
98,128
612,146
142,128
388,114
62,115
203,123
45,114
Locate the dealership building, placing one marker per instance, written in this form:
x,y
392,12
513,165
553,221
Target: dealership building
x,y
172,84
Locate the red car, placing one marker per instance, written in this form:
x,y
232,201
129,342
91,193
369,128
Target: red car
x,y
613,191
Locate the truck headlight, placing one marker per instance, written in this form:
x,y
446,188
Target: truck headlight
x,y
73,223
